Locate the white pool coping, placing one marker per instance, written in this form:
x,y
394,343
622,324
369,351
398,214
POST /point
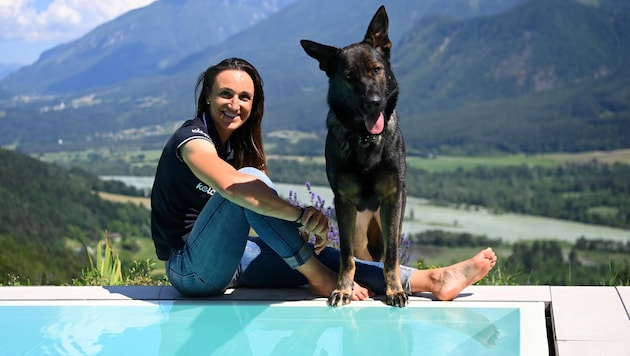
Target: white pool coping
x,y
585,320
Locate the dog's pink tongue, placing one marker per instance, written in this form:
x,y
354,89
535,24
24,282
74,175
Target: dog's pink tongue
x,y
375,124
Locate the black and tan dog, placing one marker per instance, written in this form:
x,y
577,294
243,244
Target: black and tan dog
x,y
365,156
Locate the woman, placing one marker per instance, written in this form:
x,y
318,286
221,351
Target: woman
x,y
211,187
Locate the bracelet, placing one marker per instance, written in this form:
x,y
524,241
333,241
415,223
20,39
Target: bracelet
x,y
298,221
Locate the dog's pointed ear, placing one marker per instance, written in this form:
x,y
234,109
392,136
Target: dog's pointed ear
x,y
377,35
325,55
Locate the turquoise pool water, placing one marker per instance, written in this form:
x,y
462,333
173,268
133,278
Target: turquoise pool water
x,y
257,328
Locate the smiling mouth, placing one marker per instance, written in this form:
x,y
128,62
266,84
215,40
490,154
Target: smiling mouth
x,y
230,115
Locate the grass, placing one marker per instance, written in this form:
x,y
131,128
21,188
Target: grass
x,y
602,257
92,154
616,156
143,201
603,210
437,164
451,163
292,136
103,159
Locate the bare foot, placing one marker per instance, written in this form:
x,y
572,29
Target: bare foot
x,y
447,282
322,281
326,288
360,293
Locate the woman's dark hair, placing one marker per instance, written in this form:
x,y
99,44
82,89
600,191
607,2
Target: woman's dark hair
x,y
246,141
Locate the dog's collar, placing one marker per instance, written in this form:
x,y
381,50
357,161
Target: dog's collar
x,y
368,139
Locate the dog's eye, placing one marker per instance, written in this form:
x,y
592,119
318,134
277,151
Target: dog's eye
x,y
377,70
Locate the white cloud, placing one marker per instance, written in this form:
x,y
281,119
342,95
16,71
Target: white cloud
x,y
58,20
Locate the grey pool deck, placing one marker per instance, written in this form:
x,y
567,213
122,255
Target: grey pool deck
x,y
585,320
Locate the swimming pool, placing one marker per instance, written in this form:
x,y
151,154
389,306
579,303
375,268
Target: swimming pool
x,y
135,327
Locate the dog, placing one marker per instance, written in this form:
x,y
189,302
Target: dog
x,y
365,156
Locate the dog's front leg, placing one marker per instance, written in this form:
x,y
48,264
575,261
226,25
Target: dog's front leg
x,y
392,216
346,217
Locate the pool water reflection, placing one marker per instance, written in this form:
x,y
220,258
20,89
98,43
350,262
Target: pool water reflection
x,y
266,328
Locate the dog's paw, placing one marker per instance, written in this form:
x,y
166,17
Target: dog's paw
x,y
399,299
338,298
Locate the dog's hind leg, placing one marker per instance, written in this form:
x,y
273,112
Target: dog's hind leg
x,y
375,244
368,237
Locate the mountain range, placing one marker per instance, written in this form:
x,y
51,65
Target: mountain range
x,y
475,76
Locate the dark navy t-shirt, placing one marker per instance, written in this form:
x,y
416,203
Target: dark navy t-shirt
x,y
178,195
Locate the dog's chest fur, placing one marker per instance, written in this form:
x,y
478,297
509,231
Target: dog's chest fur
x,y
363,169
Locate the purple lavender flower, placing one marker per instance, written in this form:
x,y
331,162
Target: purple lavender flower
x,y
333,234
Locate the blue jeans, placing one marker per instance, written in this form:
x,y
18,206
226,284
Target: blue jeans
x,y
261,267
219,252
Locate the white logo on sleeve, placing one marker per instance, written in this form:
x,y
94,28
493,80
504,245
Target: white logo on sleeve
x,y
200,132
206,189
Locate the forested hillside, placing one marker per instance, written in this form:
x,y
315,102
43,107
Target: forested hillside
x,y
47,213
547,76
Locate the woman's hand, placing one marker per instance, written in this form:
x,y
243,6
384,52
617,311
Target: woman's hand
x,y
315,222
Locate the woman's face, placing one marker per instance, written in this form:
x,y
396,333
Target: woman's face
x,y
231,101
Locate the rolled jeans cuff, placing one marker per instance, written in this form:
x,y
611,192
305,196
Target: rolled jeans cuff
x,y
405,278
407,287
299,258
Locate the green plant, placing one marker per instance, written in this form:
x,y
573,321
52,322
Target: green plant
x,y
14,280
616,276
420,264
499,276
139,274
105,270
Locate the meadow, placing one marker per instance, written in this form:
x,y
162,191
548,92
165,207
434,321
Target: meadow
x,y
451,163
143,162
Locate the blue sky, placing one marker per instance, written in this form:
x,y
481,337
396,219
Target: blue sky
x,y
29,27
